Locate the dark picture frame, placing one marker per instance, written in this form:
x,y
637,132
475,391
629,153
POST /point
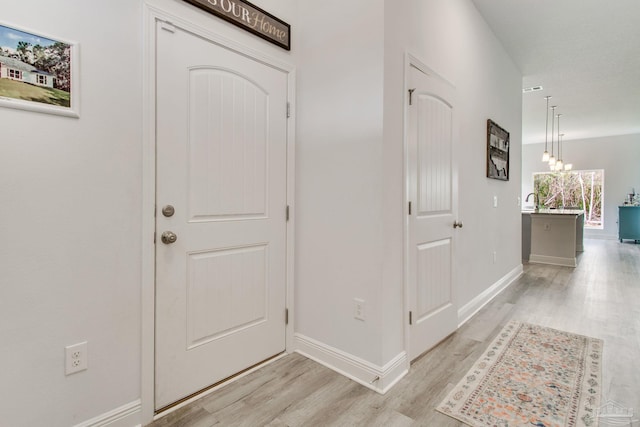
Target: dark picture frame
x,y
249,17
498,144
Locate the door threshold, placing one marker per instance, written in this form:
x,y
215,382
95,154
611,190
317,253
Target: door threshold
x,y
159,413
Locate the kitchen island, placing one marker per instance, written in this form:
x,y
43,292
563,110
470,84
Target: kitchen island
x,y
556,236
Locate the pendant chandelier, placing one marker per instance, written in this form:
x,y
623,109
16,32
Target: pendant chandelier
x,y
545,155
552,159
555,164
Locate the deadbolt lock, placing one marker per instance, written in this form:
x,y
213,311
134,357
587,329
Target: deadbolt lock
x,y
168,237
168,211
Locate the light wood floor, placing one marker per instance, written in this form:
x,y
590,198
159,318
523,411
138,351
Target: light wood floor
x,y
599,298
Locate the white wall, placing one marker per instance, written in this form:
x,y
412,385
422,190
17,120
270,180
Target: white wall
x,y
454,41
617,155
70,221
338,182
350,191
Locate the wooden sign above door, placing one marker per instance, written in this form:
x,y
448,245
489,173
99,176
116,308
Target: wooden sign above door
x,y
249,17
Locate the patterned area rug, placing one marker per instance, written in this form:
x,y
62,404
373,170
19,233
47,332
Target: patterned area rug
x,y
530,376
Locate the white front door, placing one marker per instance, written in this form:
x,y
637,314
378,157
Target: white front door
x,y
432,198
221,132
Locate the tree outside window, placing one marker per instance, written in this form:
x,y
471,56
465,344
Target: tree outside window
x,y
573,189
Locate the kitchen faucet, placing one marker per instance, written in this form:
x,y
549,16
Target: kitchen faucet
x,y
535,203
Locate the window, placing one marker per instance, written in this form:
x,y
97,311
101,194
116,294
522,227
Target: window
x,y
15,74
573,189
42,80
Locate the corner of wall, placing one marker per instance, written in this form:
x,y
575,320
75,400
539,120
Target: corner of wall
x,y
378,378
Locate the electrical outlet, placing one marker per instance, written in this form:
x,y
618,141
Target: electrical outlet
x,y
75,359
358,309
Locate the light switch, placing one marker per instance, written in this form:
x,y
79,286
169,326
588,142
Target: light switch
x,y
495,201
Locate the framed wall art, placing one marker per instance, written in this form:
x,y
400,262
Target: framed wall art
x,y
249,17
497,152
37,72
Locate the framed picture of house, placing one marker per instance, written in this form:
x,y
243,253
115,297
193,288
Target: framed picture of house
x,y
497,152
38,73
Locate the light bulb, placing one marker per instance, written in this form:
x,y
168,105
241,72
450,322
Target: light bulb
x,y
559,165
568,167
552,161
545,156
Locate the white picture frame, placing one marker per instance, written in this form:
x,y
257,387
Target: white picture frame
x,y
38,72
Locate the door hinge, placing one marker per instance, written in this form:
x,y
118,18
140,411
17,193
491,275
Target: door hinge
x,y
288,110
287,214
411,96
411,318
286,316
409,208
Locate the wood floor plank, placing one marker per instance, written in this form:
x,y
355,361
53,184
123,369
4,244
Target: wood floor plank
x,y
598,298
188,416
312,408
486,321
271,377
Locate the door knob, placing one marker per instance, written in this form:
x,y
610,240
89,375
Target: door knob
x,y
457,224
168,211
169,237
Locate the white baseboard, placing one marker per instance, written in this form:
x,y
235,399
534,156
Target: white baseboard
x,y
377,378
473,306
553,260
125,416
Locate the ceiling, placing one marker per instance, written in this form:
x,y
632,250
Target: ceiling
x,y
584,53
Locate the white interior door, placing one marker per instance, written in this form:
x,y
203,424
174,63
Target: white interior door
x,y
432,198
221,165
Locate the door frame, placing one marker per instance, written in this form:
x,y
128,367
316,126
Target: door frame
x,y
151,15
412,60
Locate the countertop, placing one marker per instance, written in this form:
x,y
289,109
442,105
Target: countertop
x,y
554,212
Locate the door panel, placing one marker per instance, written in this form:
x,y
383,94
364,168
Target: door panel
x,y
434,154
434,270
221,163
235,300
235,126
431,184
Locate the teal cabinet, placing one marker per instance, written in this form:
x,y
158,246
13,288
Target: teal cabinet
x,y
629,223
